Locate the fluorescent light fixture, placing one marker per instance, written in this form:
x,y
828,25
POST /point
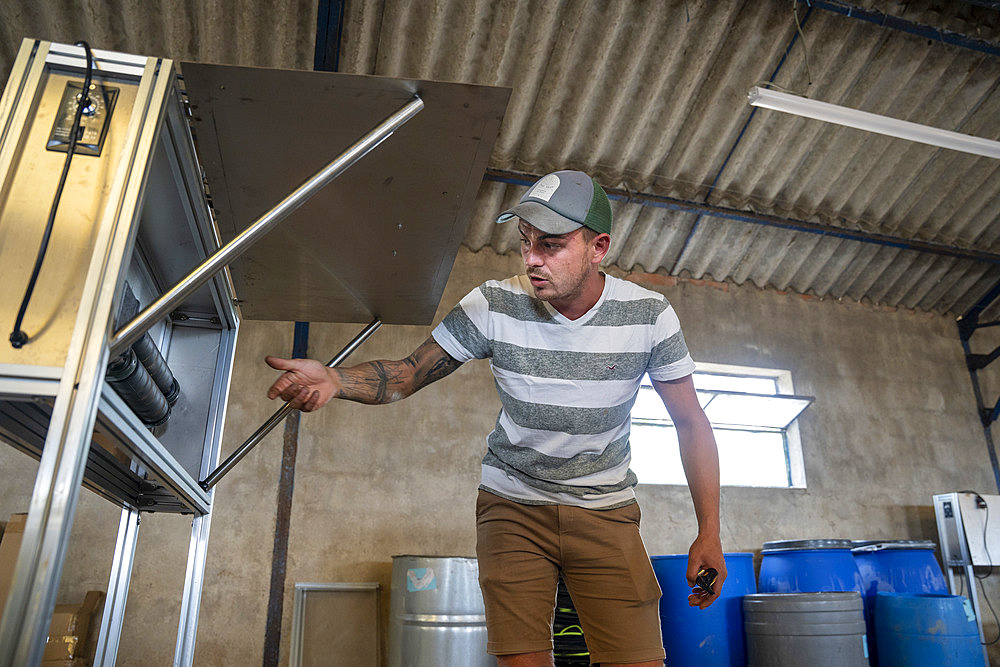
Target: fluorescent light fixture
x,y
862,120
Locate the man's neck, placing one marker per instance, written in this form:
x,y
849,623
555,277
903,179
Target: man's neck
x,y
580,304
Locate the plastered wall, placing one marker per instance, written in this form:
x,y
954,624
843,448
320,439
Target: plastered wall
x,y
893,423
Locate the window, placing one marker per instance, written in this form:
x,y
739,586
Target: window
x,y
753,413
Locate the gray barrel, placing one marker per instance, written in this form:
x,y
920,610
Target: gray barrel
x,y
437,615
815,629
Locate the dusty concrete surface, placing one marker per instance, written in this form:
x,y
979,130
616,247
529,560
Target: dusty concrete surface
x,y
893,423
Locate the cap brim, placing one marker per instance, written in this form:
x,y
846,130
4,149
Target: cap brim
x,y
540,217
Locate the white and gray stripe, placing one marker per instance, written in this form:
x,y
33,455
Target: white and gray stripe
x,y
566,386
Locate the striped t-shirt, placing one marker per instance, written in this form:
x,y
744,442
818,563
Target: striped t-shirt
x,y
566,386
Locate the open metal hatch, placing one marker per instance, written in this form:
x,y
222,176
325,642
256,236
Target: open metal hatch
x,y
377,243
146,223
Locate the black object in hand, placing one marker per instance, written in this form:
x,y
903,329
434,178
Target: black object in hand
x,y
705,580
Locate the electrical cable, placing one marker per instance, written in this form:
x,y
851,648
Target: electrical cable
x,y
17,337
805,46
989,559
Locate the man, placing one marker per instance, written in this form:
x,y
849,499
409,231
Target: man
x,y
568,347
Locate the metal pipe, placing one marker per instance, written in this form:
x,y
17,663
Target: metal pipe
x,y
232,250
282,412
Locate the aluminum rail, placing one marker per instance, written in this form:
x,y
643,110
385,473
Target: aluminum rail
x,y
282,412
264,224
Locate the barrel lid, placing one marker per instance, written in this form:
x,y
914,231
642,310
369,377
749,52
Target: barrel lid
x,y
727,555
861,546
433,557
776,546
827,601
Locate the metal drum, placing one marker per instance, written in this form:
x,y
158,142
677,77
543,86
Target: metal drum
x,y
437,615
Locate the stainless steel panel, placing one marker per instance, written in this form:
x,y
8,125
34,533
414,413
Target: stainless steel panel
x,y
194,577
379,241
165,241
262,226
192,358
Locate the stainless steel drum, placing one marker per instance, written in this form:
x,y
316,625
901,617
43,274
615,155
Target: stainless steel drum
x,y
436,613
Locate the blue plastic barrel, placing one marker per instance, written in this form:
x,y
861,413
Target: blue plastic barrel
x,y
896,566
926,630
808,566
713,636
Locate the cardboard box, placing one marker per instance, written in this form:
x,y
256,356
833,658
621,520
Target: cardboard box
x,y
61,648
74,619
10,545
75,662
69,629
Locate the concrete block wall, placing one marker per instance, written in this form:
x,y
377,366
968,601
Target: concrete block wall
x,y
893,423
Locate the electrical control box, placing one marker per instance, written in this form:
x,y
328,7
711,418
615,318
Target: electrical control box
x,y
969,528
94,119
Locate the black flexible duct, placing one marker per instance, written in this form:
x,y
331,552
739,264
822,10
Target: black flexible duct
x,y
133,383
150,357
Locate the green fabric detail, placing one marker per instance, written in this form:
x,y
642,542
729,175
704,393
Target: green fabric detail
x,y
599,215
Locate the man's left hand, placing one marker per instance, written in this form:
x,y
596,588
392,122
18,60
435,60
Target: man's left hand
x,y
706,552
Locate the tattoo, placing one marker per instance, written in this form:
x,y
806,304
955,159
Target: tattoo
x,y
441,365
377,382
383,381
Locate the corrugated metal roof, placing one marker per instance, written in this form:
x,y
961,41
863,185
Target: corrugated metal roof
x,y
279,33
650,97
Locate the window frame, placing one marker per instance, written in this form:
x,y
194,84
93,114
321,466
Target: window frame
x,y
784,387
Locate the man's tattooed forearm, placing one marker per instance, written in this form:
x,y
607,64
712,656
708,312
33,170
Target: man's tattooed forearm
x,y
387,381
441,367
374,382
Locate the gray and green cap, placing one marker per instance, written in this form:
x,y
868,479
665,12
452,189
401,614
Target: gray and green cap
x,y
561,202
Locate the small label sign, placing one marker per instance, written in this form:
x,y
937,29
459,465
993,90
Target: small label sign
x,y
420,579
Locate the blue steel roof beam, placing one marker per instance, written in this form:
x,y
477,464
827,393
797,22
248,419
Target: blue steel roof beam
x,y
905,25
972,315
329,33
928,32
646,199
753,112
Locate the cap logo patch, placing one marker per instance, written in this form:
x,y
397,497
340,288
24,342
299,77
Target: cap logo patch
x,y
545,188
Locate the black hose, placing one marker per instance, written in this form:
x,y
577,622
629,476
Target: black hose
x,y
150,357
133,383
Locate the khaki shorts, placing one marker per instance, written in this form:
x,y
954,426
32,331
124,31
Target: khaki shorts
x,y
521,549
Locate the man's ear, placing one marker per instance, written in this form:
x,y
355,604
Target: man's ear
x,y
601,244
